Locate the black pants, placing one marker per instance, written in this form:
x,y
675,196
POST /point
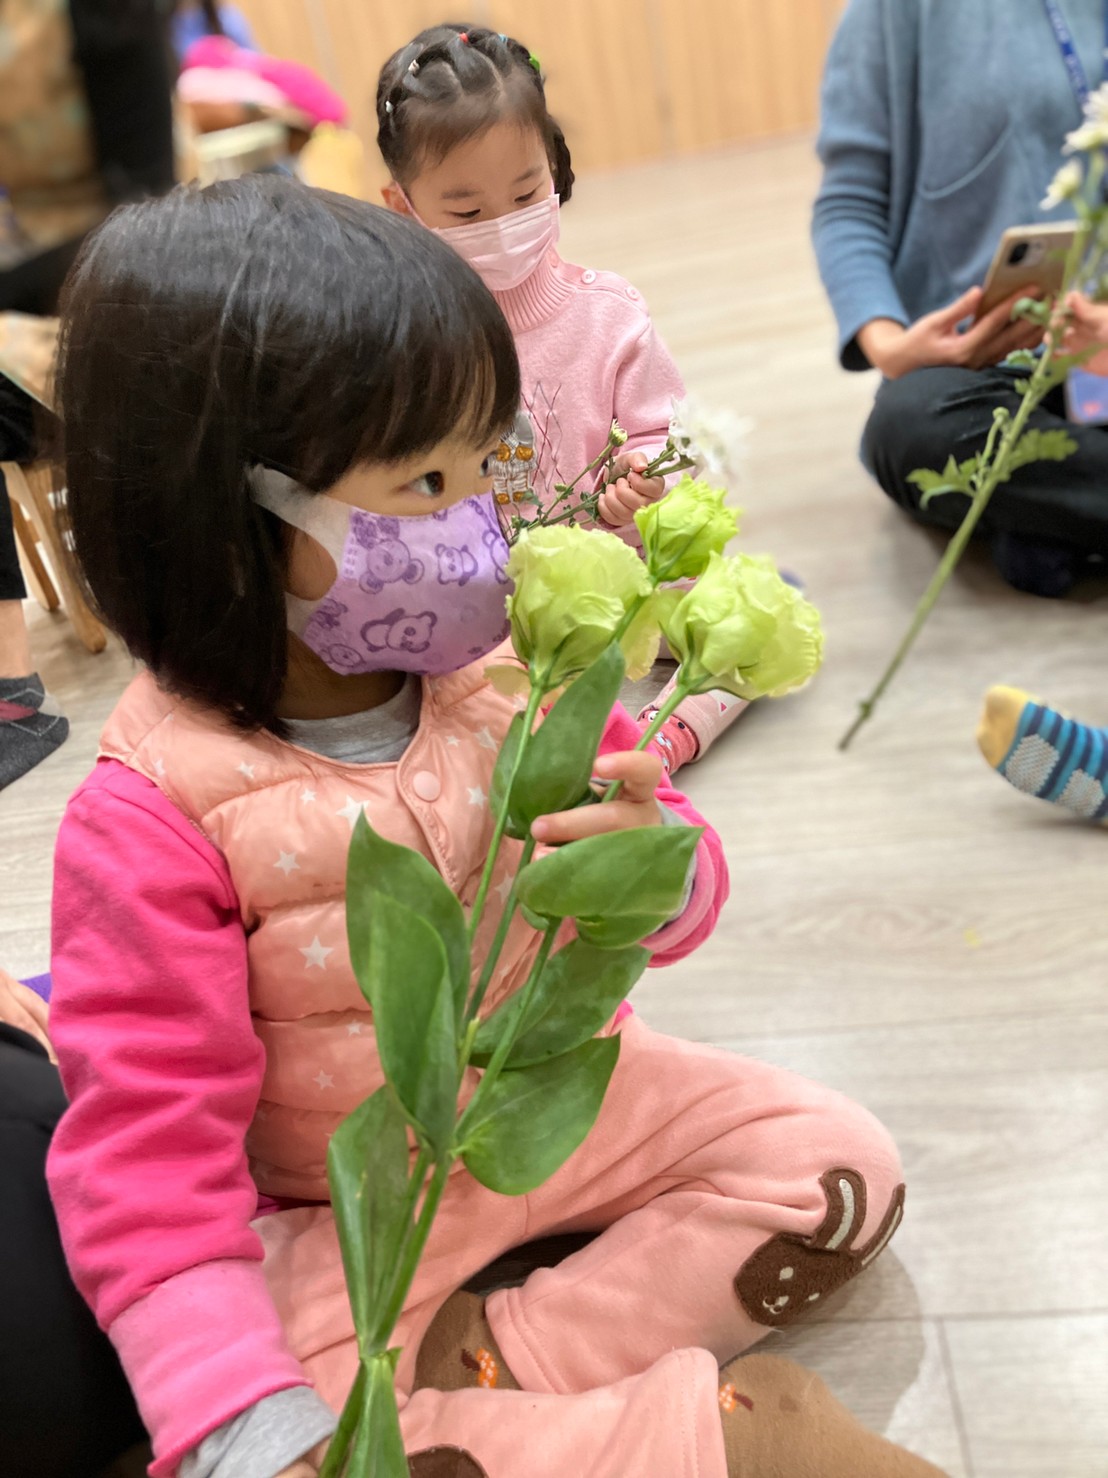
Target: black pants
x,y
921,419
65,1409
17,417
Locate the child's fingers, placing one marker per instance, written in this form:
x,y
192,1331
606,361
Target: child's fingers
x,y
591,821
639,769
648,489
618,504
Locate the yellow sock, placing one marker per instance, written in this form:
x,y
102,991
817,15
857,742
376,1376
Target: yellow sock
x,y
996,728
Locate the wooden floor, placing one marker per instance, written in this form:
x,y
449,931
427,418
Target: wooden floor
x,y
902,924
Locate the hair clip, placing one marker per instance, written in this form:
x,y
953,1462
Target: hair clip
x,y
533,59
388,105
463,37
413,67
503,37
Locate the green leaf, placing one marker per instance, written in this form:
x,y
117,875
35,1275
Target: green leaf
x,y
633,875
1022,387
502,771
558,763
1039,446
533,1118
409,990
367,1169
1022,359
375,865
577,994
954,478
378,1444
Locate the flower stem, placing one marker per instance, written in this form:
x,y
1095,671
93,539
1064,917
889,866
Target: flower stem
x,y
990,479
335,1461
668,708
413,1250
533,701
508,1040
501,934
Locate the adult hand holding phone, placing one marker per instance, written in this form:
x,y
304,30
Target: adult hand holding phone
x,y
935,339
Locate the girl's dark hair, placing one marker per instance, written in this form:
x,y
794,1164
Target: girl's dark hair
x,y
255,322
209,9
449,85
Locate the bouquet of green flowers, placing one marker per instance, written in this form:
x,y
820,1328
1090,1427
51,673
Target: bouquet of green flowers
x,y
585,611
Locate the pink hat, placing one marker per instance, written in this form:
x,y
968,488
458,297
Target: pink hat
x,y
301,88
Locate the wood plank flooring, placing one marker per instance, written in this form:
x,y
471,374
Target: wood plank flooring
x,y
902,924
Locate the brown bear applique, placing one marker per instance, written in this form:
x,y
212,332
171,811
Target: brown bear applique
x,y
444,1462
789,1274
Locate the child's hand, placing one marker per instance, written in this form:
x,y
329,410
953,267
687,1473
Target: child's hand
x,y
628,491
21,1007
634,806
1088,327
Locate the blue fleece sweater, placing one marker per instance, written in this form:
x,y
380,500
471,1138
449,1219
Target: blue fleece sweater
x,y
942,124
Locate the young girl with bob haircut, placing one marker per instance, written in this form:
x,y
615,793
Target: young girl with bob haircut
x,y
279,406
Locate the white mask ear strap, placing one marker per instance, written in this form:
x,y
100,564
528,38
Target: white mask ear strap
x,y
322,518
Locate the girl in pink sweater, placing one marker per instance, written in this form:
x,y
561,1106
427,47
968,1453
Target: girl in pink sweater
x,y
279,407
475,155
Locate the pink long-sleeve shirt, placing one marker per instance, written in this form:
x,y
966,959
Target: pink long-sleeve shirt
x,y
151,1022
588,354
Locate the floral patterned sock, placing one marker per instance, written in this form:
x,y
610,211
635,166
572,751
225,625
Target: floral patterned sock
x,y
781,1421
694,726
459,1351
1043,753
30,728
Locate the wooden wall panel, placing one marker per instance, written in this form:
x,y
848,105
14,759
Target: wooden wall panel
x,y
629,79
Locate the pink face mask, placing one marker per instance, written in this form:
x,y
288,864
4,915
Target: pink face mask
x,y
504,252
422,594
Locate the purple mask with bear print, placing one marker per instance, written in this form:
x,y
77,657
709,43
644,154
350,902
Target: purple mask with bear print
x,y
422,594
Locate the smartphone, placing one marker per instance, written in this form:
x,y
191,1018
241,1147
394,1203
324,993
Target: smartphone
x,y
1028,257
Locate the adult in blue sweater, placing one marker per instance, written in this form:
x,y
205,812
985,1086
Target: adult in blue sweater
x,y
942,125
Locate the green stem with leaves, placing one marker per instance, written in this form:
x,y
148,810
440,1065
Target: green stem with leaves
x,y
993,471
338,1448
534,699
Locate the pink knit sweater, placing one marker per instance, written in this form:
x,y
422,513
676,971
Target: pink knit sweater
x,y
589,354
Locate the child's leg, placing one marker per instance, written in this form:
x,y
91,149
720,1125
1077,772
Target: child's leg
x,y
762,1417
736,1196
1043,753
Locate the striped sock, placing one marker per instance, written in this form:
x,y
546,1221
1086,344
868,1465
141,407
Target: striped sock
x,y
1043,753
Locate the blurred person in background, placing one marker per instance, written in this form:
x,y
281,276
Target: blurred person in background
x,y
65,1407
85,123
193,19
942,125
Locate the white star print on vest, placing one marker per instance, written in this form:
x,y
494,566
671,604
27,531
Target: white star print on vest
x,y
282,817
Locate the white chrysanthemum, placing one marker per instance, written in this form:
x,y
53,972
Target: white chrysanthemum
x,y
714,439
1093,132
1065,185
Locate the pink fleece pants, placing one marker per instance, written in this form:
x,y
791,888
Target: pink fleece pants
x,y
730,1196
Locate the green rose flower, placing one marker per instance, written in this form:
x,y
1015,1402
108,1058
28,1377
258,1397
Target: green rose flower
x,y
744,629
573,589
684,529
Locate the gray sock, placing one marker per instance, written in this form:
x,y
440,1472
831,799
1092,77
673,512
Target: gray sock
x,y
29,730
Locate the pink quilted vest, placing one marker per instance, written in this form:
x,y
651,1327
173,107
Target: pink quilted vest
x,y
282,817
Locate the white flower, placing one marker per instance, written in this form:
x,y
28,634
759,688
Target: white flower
x,y
714,439
1093,133
1065,185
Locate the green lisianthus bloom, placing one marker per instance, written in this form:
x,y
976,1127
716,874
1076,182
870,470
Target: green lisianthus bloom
x,y
744,629
574,588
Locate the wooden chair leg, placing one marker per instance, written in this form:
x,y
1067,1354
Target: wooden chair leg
x,y
35,572
37,480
